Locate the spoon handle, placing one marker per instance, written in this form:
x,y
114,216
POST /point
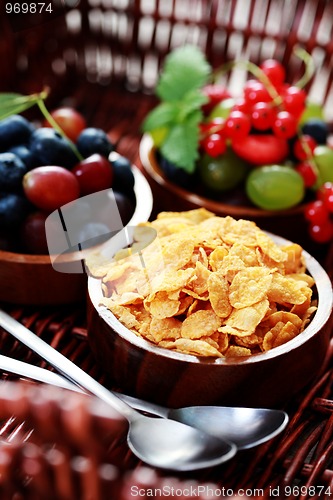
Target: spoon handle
x,y
63,365
16,367
33,372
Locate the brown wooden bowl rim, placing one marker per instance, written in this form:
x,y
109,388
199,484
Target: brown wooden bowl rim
x,y
325,305
150,164
141,213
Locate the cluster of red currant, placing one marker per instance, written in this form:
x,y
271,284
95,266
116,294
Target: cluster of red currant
x,y
270,104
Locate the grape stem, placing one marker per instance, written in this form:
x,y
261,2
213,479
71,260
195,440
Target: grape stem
x,y
41,104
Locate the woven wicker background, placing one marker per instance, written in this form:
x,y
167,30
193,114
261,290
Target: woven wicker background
x,y
103,56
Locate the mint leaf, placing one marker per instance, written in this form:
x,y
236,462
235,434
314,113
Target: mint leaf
x,y
180,145
192,101
163,115
185,69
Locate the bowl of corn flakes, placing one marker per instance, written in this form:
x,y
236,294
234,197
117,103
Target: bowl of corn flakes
x,y
201,309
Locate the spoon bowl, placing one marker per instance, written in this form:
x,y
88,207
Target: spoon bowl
x,y
246,427
181,447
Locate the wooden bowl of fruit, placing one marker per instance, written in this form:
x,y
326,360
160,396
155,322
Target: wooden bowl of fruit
x,y
259,156
40,175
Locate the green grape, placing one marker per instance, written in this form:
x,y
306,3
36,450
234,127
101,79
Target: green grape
x,y
312,110
275,187
323,158
222,173
222,109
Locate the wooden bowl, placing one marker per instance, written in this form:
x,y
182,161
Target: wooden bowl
x,y
32,280
140,368
289,223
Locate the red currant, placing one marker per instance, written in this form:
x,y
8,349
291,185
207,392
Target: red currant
x,y
324,191
263,115
215,126
294,100
237,125
241,104
285,125
274,70
214,145
316,212
215,93
256,92
325,195
322,233
309,175
304,147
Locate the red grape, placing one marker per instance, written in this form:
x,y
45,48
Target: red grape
x,y
93,174
33,233
50,187
69,120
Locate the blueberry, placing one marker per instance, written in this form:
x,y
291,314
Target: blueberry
x,y
24,153
13,210
12,170
123,177
175,174
50,148
317,129
14,130
94,140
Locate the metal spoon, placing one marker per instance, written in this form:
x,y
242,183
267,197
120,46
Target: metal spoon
x,y
158,442
245,427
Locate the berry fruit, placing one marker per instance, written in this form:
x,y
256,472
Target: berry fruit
x,y
93,174
50,187
274,70
123,177
94,140
13,210
71,122
50,148
14,130
12,170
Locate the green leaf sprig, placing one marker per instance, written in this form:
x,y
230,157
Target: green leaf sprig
x,y
179,113
12,103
